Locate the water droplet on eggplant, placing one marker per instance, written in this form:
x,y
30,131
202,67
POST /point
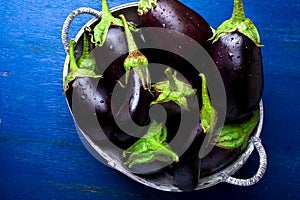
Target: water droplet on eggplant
x,y
142,37
230,56
83,96
80,83
220,55
84,86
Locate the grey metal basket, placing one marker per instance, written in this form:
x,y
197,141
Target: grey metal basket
x,y
225,175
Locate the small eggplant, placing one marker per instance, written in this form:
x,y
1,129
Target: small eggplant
x,y
140,77
237,54
174,15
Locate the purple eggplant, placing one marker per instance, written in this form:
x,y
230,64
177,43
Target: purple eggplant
x,y
139,77
174,15
187,170
237,54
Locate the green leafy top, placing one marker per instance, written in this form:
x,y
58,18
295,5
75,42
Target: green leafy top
x,y
208,114
145,5
101,29
86,63
235,135
173,90
135,60
238,22
152,147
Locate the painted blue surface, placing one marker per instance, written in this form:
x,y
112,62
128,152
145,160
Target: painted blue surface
x,y
41,156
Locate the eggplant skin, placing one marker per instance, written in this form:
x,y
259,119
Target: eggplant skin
x,y
239,61
217,159
176,16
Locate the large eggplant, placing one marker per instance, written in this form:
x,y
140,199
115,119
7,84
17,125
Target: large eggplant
x,y
237,54
174,15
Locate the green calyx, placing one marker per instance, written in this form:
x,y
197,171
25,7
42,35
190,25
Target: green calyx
x,y
107,19
85,66
135,60
150,148
238,22
145,5
173,90
208,114
234,135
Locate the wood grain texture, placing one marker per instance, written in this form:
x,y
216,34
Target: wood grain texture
x,y
41,156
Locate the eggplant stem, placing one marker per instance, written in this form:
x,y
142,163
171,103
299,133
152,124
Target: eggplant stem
x,y
107,19
135,59
172,84
145,5
86,46
105,9
236,135
238,14
73,63
130,40
238,22
151,147
208,114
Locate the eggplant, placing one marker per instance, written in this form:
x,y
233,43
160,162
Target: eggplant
x,y
237,54
139,77
217,159
187,170
174,15
153,152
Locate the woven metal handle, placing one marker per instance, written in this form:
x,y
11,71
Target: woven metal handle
x,y
70,18
261,169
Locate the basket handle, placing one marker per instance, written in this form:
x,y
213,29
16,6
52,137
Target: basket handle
x,y
261,169
70,18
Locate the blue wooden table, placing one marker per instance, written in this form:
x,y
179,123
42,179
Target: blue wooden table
x,y
41,155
